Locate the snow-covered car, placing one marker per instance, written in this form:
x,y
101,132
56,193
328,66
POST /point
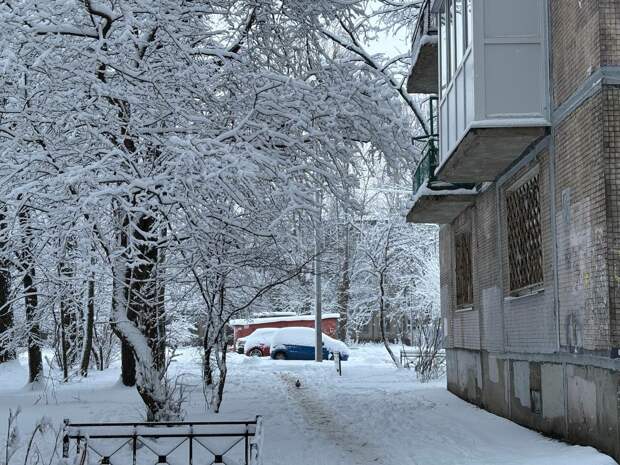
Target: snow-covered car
x,y
258,344
299,344
240,345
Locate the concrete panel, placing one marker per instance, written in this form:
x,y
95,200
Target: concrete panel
x,y
493,369
593,407
552,391
494,385
469,376
581,401
521,382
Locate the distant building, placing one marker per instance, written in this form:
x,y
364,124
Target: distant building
x,y
396,330
521,168
245,327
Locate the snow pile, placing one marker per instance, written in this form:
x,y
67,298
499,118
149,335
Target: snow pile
x,y
360,417
261,336
306,337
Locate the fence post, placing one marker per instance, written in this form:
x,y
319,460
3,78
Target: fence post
x,y
191,444
65,439
247,445
134,447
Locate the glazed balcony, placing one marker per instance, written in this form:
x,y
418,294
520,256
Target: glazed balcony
x,y
424,73
493,85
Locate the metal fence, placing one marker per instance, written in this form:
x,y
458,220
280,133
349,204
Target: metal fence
x,y
183,443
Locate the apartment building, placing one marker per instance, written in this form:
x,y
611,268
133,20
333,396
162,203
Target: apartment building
x,y
521,168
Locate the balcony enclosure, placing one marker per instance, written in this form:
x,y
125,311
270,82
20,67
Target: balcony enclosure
x,y
423,74
493,85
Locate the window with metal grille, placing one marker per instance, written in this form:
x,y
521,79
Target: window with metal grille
x,y
464,281
524,235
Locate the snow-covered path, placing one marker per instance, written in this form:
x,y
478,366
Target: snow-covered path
x,y
373,414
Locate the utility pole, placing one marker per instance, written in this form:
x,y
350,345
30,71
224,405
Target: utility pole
x,y
318,351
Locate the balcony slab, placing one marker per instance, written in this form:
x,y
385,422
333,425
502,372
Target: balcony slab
x,y
439,208
485,153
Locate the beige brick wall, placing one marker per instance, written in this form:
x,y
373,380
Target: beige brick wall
x,y
445,282
529,321
576,44
489,292
464,328
611,144
581,229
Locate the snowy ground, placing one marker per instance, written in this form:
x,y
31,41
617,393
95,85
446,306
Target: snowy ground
x,y
373,414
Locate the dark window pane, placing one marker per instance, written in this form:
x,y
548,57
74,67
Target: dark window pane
x,y
463,271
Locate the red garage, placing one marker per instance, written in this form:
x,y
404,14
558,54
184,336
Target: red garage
x,y
245,327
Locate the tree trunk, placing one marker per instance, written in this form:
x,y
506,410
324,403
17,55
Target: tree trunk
x,y
31,301
128,362
64,342
207,369
343,290
6,315
90,326
140,327
386,343
223,369
35,360
6,310
128,365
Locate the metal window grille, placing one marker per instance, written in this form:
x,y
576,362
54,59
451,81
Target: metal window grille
x,y
524,235
464,281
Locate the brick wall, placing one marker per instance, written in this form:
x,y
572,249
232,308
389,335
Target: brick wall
x,y
576,44
581,229
611,146
464,325
445,282
610,32
488,282
529,321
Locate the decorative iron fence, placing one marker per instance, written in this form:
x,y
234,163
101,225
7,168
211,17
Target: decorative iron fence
x,y
184,443
425,170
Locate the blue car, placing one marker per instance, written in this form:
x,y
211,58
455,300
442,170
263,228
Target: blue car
x,y
299,344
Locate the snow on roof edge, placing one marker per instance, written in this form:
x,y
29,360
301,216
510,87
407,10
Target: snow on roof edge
x,y
258,321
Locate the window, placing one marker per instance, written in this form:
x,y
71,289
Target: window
x,y
451,27
459,31
455,35
443,48
470,22
464,281
524,235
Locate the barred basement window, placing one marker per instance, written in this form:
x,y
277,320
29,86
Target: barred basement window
x,y
524,235
464,281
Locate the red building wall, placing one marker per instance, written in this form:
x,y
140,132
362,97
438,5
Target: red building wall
x,y
328,326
